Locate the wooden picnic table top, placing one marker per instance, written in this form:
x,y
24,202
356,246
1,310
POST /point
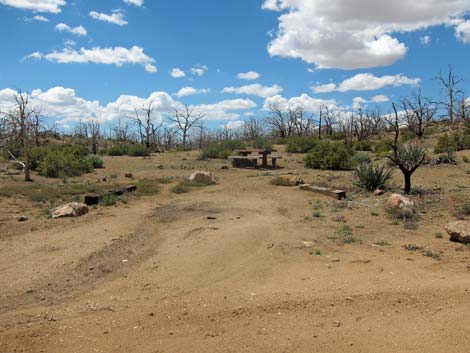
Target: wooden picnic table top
x,y
255,150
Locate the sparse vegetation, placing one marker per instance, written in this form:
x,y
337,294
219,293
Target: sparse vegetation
x,y
301,144
222,150
345,235
371,177
328,155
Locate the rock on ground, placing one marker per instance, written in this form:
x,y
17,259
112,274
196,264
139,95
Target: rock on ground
x,y
399,201
291,179
72,209
459,231
202,177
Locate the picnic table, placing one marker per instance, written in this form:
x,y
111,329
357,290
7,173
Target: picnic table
x,y
249,157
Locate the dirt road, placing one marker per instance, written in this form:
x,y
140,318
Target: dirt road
x,y
261,275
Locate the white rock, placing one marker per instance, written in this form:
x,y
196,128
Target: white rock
x,y
72,209
399,201
202,177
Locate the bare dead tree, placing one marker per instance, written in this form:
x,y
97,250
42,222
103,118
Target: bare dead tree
x,y
20,120
121,130
302,124
36,124
463,113
366,123
146,126
184,120
419,113
169,137
279,121
329,118
347,127
406,158
252,129
93,134
450,83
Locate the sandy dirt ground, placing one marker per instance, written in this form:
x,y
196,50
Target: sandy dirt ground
x,y
261,275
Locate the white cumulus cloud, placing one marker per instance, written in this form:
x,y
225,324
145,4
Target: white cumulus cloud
x,y
134,2
109,56
366,82
462,31
177,73
53,6
78,31
250,75
199,70
116,17
255,90
355,34
190,91
304,101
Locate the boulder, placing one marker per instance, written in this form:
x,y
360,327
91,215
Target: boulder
x,y
205,178
399,201
459,231
379,192
292,180
72,209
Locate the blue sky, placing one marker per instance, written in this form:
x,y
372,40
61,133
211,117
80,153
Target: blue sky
x,y
104,58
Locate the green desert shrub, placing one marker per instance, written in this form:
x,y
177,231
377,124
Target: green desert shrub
x,y
456,141
371,177
222,150
58,164
138,151
95,161
328,155
63,161
12,146
301,144
262,143
181,188
118,150
381,147
108,200
362,146
359,158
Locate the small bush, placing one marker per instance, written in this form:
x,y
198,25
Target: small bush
x,y
221,150
138,151
262,143
95,161
118,150
360,158
382,147
181,188
362,146
417,190
108,200
328,155
147,187
345,235
403,214
371,177
446,158
301,144
65,161
456,141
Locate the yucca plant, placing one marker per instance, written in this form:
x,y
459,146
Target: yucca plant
x,y
371,177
